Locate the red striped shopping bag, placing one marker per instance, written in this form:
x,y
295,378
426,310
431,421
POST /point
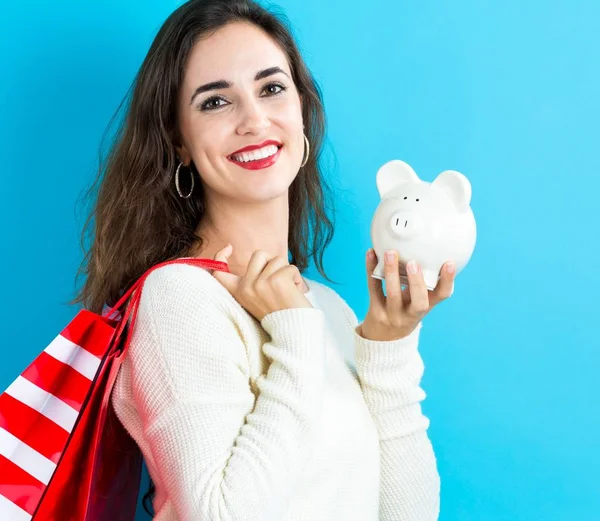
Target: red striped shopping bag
x,y
64,456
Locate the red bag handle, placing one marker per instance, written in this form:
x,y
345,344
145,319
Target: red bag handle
x,y
210,264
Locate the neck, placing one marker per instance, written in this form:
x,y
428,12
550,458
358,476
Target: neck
x,y
247,227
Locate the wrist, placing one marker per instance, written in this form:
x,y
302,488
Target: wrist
x,y
382,332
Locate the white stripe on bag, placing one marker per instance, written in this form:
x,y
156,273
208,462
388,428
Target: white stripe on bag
x,y
44,403
8,510
22,455
71,354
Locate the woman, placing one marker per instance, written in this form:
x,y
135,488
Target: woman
x,y
234,386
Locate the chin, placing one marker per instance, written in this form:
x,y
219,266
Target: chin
x,y
263,196
265,184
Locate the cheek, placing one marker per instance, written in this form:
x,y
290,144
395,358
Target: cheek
x,y
290,120
292,113
208,141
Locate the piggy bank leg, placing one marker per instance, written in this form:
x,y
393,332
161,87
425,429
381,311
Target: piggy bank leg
x,y
431,278
378,272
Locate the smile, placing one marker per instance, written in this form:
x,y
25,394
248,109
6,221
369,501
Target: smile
x,y
257,159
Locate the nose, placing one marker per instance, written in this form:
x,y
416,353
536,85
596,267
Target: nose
x,y
405,225
254,118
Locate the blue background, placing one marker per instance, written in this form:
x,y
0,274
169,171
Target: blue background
x,y
505,92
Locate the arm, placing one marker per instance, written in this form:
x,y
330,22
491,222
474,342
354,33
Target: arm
x,y
219,453
389,374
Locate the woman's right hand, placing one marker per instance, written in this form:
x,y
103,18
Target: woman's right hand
x,y
270,284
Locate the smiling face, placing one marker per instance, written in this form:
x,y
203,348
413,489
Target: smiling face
x,y
238,92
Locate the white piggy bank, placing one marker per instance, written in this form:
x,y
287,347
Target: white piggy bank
x,y
431,223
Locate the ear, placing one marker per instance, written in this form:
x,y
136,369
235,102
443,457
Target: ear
x,y
394,173
183,154
457,186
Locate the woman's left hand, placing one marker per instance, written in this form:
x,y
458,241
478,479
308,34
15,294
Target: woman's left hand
x,y
398,314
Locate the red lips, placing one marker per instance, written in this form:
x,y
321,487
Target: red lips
x,y
260,145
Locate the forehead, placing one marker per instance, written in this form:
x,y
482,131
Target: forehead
x,y
234,52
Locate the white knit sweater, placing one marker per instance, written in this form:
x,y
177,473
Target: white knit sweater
x,y
240,420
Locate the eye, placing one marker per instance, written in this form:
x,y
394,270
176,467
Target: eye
x,y
278,85
208,105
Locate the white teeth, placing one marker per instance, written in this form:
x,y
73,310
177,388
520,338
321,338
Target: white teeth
x,y
261,153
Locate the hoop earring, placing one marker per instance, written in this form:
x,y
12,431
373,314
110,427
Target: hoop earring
x,y
177,182
307,150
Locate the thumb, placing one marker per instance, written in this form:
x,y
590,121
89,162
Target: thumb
x,y
299,282
229,280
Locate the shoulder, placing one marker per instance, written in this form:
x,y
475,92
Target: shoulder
x,y
184,283
181,297
184,333
181,276
184,309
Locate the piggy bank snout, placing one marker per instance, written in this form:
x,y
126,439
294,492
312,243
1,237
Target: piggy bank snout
x,y
405,225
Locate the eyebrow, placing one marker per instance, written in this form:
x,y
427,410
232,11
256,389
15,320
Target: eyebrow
x,y
224,84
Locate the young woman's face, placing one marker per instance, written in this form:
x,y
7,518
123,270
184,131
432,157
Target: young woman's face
x,y
218,122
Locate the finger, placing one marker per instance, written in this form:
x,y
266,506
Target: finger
x,y
297,278
299,281
273,266
445,285
290,271
375,285
392,286
419,297
228,280
257,263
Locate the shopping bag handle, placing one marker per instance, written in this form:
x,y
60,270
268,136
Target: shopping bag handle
x,y
210,264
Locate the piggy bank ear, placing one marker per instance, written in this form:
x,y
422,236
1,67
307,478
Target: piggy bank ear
x,y
394,173
457,186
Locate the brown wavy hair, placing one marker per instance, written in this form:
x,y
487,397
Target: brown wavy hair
x,y
137,218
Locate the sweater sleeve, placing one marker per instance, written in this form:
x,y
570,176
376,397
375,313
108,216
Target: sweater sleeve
x,y
389,374
220,452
